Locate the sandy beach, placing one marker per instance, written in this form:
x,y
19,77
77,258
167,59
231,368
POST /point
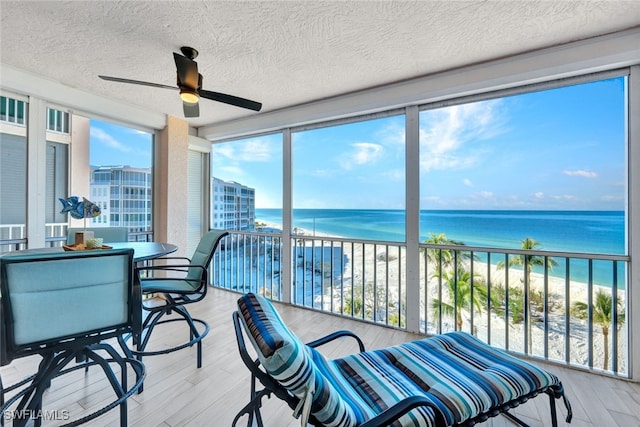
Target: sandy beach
x,y
370,263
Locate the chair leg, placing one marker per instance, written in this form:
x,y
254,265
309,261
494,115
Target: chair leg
x,y
252,409
129,355
155,318
118,388
552,405
52,366
31,402
514,419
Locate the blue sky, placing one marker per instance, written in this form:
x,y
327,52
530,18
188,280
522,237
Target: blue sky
x,y
555,149
114,145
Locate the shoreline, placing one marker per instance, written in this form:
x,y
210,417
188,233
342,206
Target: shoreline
x,y
554,282
361,264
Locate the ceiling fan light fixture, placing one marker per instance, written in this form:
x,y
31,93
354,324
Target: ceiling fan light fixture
x,y
189,96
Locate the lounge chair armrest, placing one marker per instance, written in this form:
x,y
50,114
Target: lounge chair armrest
x,y
396,411
335,335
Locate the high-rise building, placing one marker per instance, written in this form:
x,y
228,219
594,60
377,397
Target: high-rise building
x,y
233,205
123,194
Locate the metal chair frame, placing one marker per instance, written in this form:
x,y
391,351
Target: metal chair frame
x,y
85,347
174,302
272,386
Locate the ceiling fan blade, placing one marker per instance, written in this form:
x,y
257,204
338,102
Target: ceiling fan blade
x,y
187,71
136,82
191,110
230,99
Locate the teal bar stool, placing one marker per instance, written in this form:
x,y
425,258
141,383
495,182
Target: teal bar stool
x,y
62,306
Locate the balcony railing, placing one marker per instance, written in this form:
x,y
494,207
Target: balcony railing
x,y
249,262
566,308
13,237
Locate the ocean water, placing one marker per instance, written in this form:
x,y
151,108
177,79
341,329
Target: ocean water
x,y
592,232
597,232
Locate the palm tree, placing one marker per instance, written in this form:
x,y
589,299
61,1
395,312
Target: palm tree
x,y
444,258
602,312
529,262
459,286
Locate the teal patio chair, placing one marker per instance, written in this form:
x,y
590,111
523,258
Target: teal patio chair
x,y
108,234
180,281
62,306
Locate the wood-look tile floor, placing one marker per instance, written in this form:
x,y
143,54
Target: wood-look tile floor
x,y
178,394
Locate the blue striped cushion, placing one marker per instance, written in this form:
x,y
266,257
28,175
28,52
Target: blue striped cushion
x,y
458,373
290,362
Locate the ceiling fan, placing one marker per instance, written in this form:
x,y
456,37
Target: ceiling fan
x,y
190,85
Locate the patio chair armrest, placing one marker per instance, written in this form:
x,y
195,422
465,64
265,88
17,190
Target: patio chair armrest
x,y
401,408
335,335
174,267
171,258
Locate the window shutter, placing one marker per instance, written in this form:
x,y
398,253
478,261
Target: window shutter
x,y
194,200
13,179
57,181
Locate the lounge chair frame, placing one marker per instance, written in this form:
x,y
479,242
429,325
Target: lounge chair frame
x,y
269,386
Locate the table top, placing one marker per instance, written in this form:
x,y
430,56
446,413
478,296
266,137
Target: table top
x,y
142,251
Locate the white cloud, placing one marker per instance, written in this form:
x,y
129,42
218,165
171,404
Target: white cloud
x,y
320,173
396,175
467,182
103,137
484,195
231,170
580,172
253,150
564,197
393,135
446,131
539,195
361,153
224,150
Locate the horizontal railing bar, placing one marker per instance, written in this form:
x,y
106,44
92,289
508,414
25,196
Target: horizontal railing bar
x,y
550,254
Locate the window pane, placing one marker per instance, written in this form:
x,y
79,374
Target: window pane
x,y
21,115
349,180
246,186
3,108
549,165
12,110
534,172
121,171
51,121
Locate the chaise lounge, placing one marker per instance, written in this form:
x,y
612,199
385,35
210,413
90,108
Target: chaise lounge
x,y
451,379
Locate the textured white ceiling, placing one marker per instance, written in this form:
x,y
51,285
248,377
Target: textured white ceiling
x,y
282,53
